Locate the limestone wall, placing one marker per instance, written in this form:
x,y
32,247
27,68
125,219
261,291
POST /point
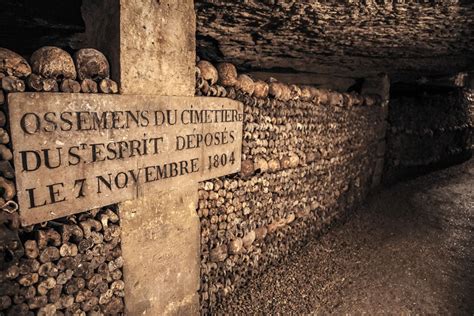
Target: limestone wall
x,y
309,158
428,130
353,38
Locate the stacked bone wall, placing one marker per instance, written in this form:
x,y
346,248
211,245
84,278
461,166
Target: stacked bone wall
x,y
71,265
427,131
305,164
65,267
469,99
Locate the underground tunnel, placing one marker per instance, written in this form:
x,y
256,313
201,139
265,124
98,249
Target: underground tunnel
x,y
249,157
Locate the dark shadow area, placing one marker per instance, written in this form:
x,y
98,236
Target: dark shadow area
x,y
412,172
26,25
429,129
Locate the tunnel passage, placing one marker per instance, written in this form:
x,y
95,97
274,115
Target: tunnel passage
x,y
403,50
429,128
308,164
408,249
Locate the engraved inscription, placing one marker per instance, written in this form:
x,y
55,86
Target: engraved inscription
x,y
73,152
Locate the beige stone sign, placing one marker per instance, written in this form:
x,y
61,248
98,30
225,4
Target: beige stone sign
x,y
74,152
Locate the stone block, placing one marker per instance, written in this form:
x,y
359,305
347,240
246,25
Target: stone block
x,y
160,244
157,47
75,152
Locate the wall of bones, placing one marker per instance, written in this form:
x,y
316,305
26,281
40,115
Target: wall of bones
x,y
72,265
428,130
309,157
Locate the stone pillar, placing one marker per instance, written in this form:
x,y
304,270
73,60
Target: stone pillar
x,y
160,245
157,47
151,47
379,85
150,44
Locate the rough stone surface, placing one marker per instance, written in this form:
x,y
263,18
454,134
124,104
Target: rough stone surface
x,y
351,38
160,234
137,34
157,56
157,47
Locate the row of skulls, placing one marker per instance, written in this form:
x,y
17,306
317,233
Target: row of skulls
x,y
82,71
225,74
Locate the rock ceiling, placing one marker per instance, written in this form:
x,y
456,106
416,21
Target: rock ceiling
x,y
405,38
345,38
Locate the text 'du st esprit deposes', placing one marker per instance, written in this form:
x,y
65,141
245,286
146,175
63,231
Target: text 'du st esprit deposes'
x,y
74,152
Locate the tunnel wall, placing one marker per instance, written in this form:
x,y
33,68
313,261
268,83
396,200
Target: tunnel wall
x,y
428,130
305,164
70,265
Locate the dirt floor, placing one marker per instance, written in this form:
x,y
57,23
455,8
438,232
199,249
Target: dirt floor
x,y
410,249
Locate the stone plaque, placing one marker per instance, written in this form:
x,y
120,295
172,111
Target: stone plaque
x,y
74,152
